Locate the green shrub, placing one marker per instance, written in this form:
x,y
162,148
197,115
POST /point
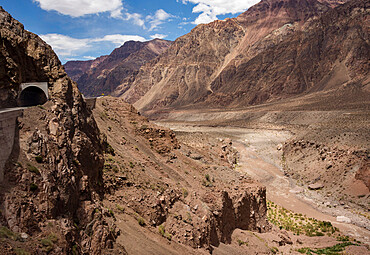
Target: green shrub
x,y
20,251
208,178
163,232
185,192
33,187
240,242
141,221
6,233
39,159
120,208
33,169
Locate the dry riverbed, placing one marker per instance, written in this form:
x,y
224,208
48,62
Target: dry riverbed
x,y
260,157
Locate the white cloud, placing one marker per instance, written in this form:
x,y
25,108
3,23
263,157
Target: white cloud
x,y
209,9
77,8
118,39
159,36
66,46
88,57
136,18
158,18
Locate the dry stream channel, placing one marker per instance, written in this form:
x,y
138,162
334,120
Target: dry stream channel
x,y
260,158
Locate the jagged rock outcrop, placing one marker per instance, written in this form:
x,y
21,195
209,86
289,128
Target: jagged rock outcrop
x,y
105,74
276,49
53,179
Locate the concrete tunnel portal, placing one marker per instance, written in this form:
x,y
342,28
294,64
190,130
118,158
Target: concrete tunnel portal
x,y
32,94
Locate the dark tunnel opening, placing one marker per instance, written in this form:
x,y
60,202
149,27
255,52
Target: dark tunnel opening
x,y
31,96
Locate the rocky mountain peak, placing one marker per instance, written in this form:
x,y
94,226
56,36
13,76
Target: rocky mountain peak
x,y
105,74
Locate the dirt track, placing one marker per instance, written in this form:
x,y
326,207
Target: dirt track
x,y
260,159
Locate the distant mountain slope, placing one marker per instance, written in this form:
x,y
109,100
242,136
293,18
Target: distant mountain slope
x,y
104,74
77,68
276,49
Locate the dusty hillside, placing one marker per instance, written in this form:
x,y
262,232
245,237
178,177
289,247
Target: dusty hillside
x,y
104,74
50,200
190,192
276,49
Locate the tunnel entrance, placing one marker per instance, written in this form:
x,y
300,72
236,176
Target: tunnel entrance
x,y
31,96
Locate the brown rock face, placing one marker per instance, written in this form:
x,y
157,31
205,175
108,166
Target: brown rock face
x,y
75,69
276,49
53,179
105,74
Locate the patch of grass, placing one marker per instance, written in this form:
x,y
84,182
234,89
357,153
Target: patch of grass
x,y
208,178
75,250
6,233
120,208
33,187
47,244
111,212
332,250
39,159
163,232
20,251
185,192
33,169
298,223
109,149
274,250
240,242
141,221
76,162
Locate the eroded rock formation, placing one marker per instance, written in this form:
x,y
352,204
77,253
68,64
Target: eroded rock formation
x,y
53,180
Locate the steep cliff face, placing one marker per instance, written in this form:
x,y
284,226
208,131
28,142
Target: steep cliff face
x,y
53,179
323,54
276,49
104,74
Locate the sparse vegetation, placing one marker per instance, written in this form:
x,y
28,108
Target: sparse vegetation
x,y
332,250
240,242
163,232
33,187
109,149
120,208
33,169
185,192
298,223
48,243
6,233
274,250
39,159
20,251
141,221
207,181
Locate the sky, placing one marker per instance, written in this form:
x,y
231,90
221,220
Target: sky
x,y
87,29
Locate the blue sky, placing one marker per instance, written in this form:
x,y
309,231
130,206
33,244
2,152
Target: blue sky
x,y
86,29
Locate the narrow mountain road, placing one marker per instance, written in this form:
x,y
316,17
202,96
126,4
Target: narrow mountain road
x,y
260,159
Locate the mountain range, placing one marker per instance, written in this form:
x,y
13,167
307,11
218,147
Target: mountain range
x,y
104,74
275,50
